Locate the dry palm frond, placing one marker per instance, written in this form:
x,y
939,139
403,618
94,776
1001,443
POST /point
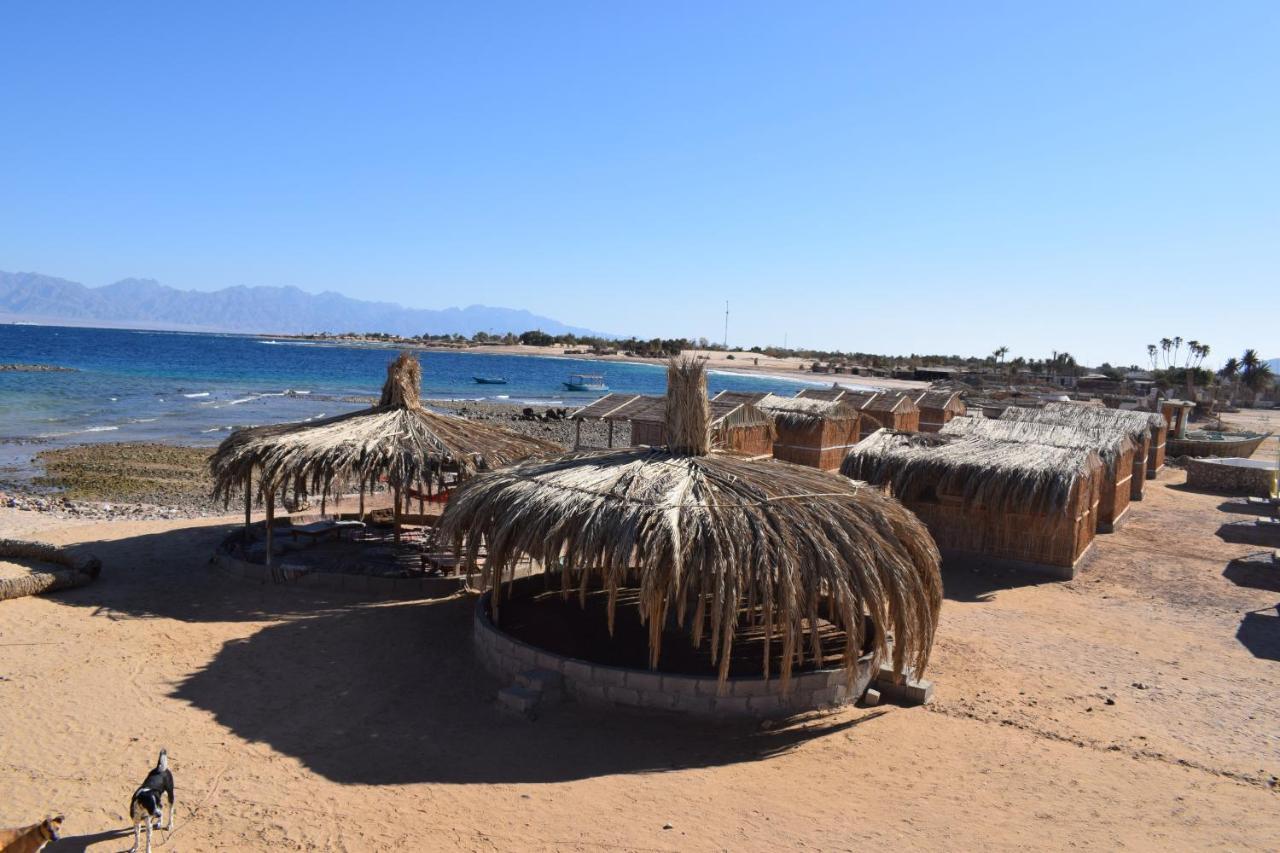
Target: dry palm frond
x,y
398,439
805,411
705,534
1000,476
1133,424
1109,444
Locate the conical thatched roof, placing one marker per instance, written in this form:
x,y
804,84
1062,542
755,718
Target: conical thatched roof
x,y
397,438
1110,444
707,535
999,476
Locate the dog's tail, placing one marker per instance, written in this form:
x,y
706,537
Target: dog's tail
x,y
163,762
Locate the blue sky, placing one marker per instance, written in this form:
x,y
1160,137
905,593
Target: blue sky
x,y
885,177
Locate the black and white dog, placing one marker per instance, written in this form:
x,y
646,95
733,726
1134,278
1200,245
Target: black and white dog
x,y
145,808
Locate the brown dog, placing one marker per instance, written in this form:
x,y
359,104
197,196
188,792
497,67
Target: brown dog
x,y
29,839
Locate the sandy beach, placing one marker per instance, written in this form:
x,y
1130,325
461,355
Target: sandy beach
x,y
1134,707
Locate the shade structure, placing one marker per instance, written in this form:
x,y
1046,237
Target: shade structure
x,y
397,440
708,536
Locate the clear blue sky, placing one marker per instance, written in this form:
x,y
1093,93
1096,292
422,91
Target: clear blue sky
x,y
875,176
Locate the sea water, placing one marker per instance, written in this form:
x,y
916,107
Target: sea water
x,y
194,389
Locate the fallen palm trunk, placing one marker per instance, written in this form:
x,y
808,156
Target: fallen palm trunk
x,y
74,571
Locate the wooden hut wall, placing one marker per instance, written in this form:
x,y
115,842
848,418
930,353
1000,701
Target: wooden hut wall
x,y
1055,542
904,417
1155,458
751,439
652,433
938,410
820,444
1117,490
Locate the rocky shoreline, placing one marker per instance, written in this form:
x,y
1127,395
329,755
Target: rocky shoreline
x,y
142,481
35,368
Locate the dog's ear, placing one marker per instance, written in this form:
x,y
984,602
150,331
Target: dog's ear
x,y
57,818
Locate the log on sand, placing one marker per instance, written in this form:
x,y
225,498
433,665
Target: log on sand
x,y
72,571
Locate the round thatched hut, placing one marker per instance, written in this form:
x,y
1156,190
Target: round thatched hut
x,y
714,546
398,440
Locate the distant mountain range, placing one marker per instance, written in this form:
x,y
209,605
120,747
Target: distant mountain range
x,y
144,303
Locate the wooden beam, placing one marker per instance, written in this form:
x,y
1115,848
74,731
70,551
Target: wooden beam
x,y
271,514
395,522
248,501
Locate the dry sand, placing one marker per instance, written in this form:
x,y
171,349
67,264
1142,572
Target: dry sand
x,y
296,721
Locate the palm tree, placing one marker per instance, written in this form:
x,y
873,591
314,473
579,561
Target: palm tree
x,y
1151,354
1193,347
1256,373
1000,353
1230,374
1177,345
1165,345
1204,352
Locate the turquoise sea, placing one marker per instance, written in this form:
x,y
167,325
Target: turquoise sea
x,y
192,388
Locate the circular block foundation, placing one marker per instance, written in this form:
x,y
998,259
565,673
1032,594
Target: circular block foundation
x,y
697,696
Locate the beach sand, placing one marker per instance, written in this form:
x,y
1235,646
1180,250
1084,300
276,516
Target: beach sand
x,y
1135,707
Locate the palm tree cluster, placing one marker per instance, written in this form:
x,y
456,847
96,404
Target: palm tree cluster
x,y
1169,349
1249,370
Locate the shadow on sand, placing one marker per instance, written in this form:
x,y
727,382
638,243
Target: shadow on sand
x,y
1245,532
390,693
1258,571
81,843
975,582
1260,633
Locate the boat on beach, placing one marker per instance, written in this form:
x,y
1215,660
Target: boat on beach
x,y
489,380
586,382
1200,443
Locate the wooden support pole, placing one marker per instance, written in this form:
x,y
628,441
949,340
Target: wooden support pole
x,y
395,522
611,434
271,514
248,501
362,498
577,435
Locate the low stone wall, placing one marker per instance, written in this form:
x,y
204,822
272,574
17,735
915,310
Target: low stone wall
x,y
366,585
1235,476
596,684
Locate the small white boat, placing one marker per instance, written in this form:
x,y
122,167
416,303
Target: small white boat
x,y
586,382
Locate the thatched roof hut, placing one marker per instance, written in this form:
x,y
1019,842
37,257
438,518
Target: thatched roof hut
x,y
1147,430
713,541
736,424
812,431
398,439
892,411
1114,448
938,407
1028,503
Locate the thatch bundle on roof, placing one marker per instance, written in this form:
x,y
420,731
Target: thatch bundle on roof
x,y
1027,502
708,537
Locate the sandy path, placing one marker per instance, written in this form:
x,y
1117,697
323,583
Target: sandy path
x,y
303,722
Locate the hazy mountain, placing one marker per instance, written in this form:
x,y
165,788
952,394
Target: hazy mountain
x,y
144,303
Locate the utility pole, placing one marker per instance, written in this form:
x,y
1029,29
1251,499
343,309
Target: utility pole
x,y
726,324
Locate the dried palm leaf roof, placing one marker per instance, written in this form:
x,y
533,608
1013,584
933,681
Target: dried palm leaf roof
x,y
751,397
708,535
941,399
1108,443
835,392
397,438
888,402
652,409
1000,476
805,411
1133,424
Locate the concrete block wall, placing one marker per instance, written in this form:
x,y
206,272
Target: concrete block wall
x,y
506,657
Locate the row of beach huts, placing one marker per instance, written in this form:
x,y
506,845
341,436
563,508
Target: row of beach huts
x,y
1031,487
